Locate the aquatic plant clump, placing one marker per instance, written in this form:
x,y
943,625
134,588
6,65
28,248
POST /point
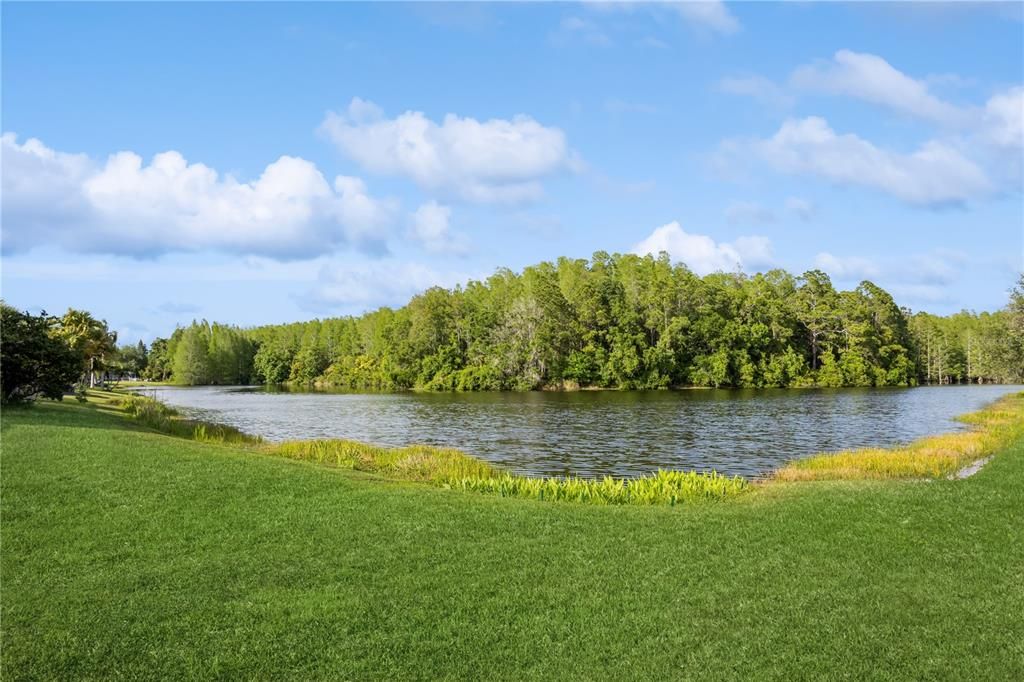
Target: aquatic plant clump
x,y
414,463
456,470
939,456
159,417
662,487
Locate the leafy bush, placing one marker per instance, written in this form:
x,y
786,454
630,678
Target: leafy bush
x,y
34,361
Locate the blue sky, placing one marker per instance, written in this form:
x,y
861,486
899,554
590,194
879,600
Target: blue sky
x,y
258,163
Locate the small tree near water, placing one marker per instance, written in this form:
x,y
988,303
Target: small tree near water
x,y
34,359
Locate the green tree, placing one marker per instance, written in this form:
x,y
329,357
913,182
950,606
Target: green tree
x,y
133,359
90,338
158,361
814,304
191,361
34,358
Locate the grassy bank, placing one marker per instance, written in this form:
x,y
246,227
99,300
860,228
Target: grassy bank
x,y
127,553
994,428
443,467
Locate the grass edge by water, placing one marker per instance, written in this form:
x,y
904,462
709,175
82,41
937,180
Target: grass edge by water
x,y
941,456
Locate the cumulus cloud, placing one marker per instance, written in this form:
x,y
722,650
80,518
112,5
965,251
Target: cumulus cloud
x,y
126,206
869,77
497,160
701,253
873,79
42,191
935,174
977,154
1004,119
755,252
431,227
747,212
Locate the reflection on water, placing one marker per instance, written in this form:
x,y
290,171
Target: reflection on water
x,y
591,433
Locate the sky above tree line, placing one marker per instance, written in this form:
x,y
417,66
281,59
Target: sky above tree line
x,y
265,163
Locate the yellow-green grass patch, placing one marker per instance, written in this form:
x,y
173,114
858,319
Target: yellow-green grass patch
x,y
995,427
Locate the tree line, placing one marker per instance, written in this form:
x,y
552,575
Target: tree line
x,y
615,321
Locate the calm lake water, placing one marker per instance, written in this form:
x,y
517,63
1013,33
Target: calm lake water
x,y
746,432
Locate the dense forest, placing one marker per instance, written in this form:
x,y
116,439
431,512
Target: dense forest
x,y
616,321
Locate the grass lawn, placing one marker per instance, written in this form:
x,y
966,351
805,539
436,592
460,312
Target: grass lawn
x,y
127,553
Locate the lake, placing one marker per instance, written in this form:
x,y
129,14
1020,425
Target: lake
x,y
593,433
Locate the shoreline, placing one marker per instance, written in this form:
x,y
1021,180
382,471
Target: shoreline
x,y
931,457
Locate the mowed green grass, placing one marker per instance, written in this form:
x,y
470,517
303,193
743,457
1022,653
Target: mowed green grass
x,y
131,554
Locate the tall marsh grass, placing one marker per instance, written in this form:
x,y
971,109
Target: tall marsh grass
x,y
159,417
414,463
663,487
458,471
940,456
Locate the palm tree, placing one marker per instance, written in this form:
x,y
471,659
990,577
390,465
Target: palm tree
x,y
90,338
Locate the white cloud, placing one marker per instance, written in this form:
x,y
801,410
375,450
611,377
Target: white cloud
x,y
710,13
747,212
124,206
1004,119
935,174
755,252
873,79
701,253
804,209
430,227
497,160
999,122
705,14
41,191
